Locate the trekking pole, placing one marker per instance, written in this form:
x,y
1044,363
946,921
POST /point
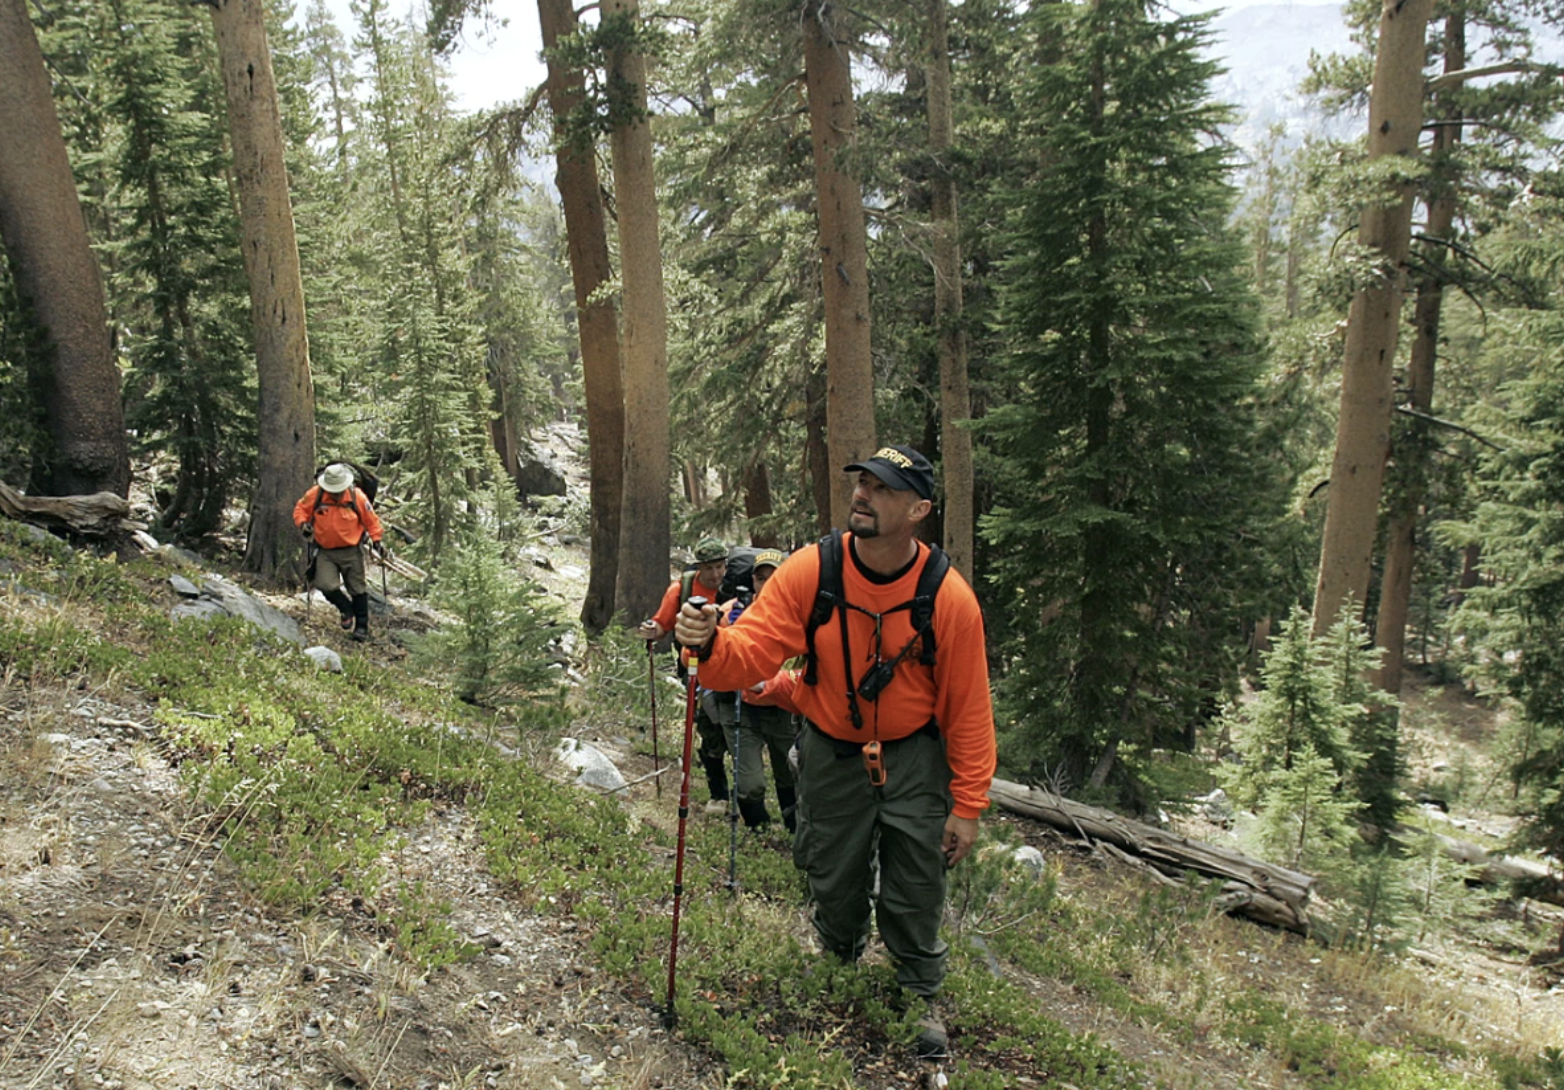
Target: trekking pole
x,y
733,798
384,592
651,677
309,578
670,1017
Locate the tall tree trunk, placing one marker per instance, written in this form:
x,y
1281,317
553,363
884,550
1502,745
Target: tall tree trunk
x,y
644,540
57,277
286,423
1374,322
955,397
1395,594
757,503
597,325
1094,659
844,251
817,456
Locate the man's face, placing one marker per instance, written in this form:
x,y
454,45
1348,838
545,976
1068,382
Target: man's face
x,y
880,510
710,573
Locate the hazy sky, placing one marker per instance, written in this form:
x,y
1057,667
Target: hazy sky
x,y
504,65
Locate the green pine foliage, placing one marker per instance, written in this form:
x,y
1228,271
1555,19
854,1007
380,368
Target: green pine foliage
x,y
1305,819
175,269
1295,717
1513,627
24,443
498,651
430,348
1129,498
1373,761
746,347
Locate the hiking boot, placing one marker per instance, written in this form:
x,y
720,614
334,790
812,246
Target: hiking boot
x,y
360,617
753,811
344,606
787,802
716,807
716,779
932,1042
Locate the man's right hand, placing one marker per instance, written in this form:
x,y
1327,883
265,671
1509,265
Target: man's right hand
x,y
649,630
308,529
695,625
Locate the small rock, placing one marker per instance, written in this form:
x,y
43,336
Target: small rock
x,y
1030,858
184,587
593,768
325,658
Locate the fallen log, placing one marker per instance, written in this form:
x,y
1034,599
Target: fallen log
x,y
1253,888
1539,881
405,568
101,514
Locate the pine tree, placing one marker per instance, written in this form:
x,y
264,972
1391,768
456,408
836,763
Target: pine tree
x,y
497,652
1294,754
1126,476
1514,622
177,271
1296,714
431,350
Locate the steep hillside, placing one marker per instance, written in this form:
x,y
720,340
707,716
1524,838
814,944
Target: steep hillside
x,y
220,867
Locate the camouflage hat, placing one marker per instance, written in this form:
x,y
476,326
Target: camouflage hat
x,y
710,549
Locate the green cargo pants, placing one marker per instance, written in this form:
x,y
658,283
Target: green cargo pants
x,y
846,827
762,730
335,567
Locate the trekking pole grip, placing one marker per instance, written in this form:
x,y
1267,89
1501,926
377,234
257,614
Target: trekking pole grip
x,y
692,655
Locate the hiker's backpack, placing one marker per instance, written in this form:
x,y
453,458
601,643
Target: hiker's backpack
x,y
831,596
739,581
363,479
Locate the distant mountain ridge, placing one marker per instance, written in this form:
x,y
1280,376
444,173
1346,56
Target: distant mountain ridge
x,y
1265,49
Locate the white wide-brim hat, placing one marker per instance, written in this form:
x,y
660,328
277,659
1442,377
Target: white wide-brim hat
x,y
335,478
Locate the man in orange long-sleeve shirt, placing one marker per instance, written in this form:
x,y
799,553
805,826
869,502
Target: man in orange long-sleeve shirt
x,y
337,516
896,778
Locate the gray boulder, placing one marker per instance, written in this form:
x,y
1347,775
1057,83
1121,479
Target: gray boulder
x,y
593,768
325,658
218,596
1030,858
537,474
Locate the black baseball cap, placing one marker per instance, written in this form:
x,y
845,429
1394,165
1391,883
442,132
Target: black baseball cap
x,y
901,468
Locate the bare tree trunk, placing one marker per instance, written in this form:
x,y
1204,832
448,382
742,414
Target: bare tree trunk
x,y
694,484
844,251
1395,594
1374,321
597,324
644,541
817,456
286,421
955,397
757,502
57,276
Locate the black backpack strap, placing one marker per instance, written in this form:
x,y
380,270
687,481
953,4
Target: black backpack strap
x,y
929,580
829,592
320,498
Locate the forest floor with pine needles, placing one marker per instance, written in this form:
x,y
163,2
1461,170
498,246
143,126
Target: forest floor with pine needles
x,y
138,951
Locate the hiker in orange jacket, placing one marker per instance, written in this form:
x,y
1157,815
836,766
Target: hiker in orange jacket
x,y
337,516
899,752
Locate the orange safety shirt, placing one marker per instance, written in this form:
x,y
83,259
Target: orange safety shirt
x,y
338,523
953,692
668,609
